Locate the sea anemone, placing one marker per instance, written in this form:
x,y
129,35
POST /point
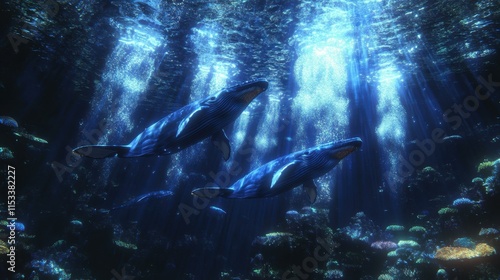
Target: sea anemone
x,y
488,231
441,274
392,254
418,229
385,277
463,202
408,244
384,245
395,228
464,242
447,211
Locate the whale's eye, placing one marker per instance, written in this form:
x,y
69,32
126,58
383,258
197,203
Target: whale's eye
x,y
210,100
305,155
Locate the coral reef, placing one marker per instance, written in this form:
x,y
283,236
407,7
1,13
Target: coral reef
x,y
489,232
384,245
418,229
478,182
395,228
447,211
408,244
485,168
4,249
6,153
462,253
459,202
464,242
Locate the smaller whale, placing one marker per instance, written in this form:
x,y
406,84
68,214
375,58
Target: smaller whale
x,y
144,197
287,172
186,126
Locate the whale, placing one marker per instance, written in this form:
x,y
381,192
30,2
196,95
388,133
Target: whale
x,y
144,197
187,126
287,172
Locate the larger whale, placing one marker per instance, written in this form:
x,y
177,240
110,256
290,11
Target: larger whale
x,y
186,126
287,172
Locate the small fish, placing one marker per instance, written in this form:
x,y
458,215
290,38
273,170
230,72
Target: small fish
x,y
18,226
218,210
77,223
20,133
144,197
452,138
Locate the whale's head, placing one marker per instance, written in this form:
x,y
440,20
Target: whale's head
x,y
241,95
328,155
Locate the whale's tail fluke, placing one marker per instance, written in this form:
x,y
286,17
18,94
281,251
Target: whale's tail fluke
x,y
102,151
210,192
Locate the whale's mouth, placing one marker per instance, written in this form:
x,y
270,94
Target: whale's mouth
x,y
251,93
344,152
350,146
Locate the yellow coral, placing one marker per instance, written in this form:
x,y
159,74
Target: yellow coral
x,y
455,253
485,168
462,253
4,249
484,250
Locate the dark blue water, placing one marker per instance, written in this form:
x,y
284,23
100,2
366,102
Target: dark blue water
x,y
417,81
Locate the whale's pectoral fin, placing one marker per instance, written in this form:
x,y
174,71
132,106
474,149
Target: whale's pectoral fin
x,y
282,172
311,190
187,120
210,192
219,139
102,151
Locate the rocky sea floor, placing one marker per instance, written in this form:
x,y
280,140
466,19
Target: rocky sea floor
x,y
455,239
